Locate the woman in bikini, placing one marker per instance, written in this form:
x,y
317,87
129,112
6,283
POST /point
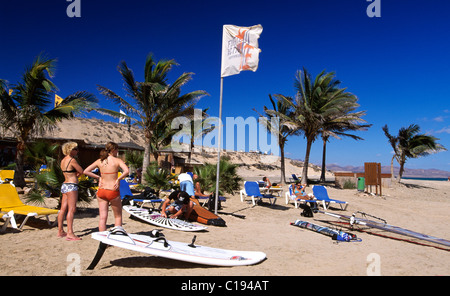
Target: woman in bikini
x,y
299,191
108,185
69,189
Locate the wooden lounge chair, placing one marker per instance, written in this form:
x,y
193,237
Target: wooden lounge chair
x,y
10,201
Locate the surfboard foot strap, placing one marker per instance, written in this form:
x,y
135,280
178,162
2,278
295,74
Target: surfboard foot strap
x,y
163,240
100,251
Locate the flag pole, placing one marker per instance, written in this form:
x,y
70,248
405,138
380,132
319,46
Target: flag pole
x,y
219,146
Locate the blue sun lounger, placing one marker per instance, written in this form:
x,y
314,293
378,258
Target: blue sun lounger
x,y
125,191
321,194
294,178
205,199
297,200
251,189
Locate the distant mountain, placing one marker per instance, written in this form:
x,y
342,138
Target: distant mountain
x,y
412,173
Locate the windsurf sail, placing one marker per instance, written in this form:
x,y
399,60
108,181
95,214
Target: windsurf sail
x,y
384,226
333,233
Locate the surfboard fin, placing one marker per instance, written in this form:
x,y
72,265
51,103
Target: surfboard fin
x,y
100,251
193,241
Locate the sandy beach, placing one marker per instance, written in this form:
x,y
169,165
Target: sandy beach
x,y
422,206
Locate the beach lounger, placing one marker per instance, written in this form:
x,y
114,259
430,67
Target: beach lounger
x,y
8,218
204,199
125,191
291,196
294,178
10,201
321,194
6,176
251,188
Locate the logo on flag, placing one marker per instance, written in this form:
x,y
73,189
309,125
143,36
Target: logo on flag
x,y
122,118
240,49
58,100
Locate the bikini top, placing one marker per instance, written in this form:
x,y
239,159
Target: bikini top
x,y
109,173
102,173
71,171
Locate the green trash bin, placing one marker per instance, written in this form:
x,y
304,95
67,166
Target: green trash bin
x,y
361,183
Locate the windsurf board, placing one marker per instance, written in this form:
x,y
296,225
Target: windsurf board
x,y
157,219
157,245
391,228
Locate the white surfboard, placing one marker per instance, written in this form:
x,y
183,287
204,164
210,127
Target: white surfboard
x,y
155,218
157,245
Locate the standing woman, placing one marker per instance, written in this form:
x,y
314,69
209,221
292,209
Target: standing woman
x,y
69,189
109,182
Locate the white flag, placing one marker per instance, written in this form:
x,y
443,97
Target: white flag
x,y
121,118
240,49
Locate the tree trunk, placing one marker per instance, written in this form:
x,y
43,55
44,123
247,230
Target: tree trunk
x,y
283,167
402,168
19,174
392,169
146,160
306,163
191,148
324,155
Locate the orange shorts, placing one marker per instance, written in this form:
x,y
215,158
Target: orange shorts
x,y
107,194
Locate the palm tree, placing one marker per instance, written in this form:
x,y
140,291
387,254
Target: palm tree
x,y
409,143
155,102
28,110
229,178
157,178
314,102
283,111
336,125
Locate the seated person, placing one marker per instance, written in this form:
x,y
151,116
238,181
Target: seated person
x,y
177,204
198,190
299,191
267,183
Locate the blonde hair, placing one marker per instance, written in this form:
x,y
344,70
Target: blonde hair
x,y
110,146
67,147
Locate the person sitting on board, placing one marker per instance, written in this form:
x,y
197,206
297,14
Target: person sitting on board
x,y
177,204
198,189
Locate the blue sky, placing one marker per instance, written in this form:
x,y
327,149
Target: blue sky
x,y
398,64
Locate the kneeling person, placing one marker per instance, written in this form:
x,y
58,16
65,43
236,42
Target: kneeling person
x,y
176,204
